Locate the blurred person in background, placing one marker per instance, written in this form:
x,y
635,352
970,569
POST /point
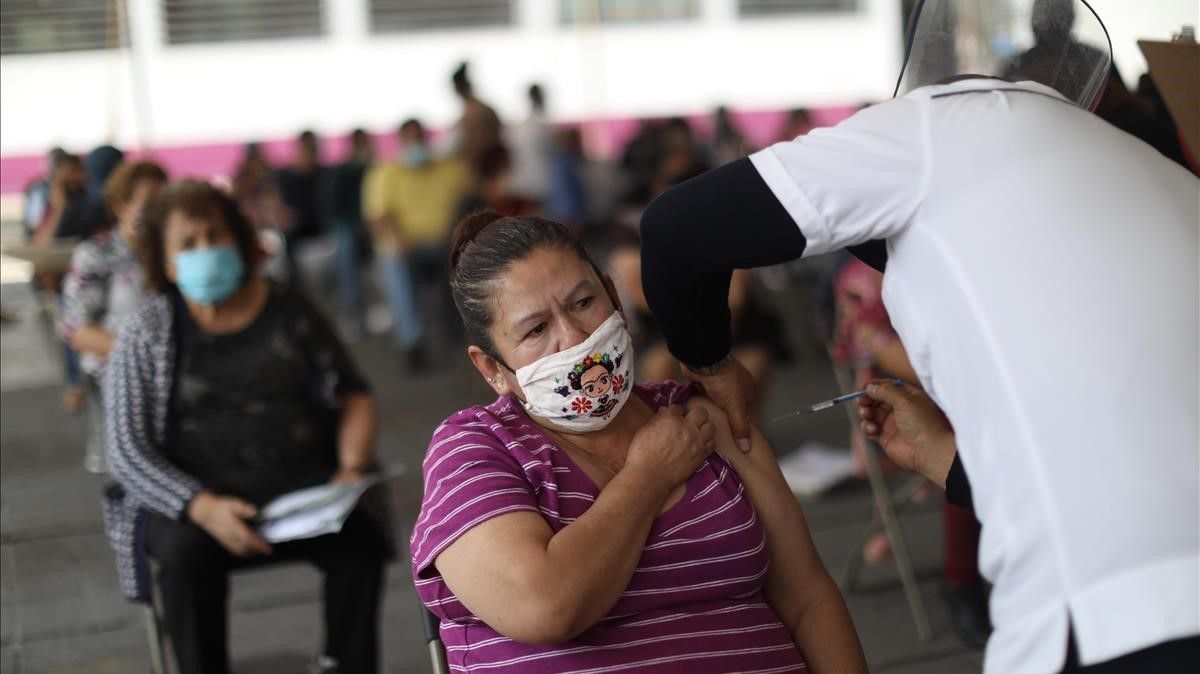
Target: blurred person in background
x,y
1135,116
583,520
493,188
69,215
1148,92
663,153
797,123
37,193
682,155
760,341
353,240
224,391
256,190
728,141
478,129
567,200
533,150
410,206
864,342
304,190
103,287
640,163
1052,23
99,165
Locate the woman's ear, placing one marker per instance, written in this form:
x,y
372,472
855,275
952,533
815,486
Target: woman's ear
x,y
490,369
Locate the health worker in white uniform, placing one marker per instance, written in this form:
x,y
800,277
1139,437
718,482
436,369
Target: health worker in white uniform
x,y
1041,272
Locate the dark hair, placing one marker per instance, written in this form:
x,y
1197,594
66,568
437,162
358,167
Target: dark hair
x,y
307,142
412,122
360,141
462,82
65,161
119,187
197,199
483,247
537,97
679,124
799,116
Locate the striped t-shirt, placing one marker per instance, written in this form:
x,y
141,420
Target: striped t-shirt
x,y
695,601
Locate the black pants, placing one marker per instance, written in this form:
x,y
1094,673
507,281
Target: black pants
x,y
1181,656
193,583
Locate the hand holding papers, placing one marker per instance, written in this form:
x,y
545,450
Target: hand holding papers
x,y
315,511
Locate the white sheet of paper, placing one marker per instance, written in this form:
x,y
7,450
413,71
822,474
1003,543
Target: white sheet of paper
x,y
816,467
315,511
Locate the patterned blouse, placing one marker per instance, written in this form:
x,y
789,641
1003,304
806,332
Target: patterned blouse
x,y
103,286
695,601
862,323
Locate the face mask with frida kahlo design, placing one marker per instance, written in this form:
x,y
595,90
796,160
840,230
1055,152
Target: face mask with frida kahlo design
x,y
582,388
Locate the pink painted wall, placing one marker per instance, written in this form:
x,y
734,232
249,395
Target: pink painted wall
x,y
604,138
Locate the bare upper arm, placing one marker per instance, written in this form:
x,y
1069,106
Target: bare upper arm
x,y
796,567
757,468
493,569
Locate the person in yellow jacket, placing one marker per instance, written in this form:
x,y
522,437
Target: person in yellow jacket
x,y
409,206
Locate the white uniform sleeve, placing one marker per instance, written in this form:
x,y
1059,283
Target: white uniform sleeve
x,y
858,181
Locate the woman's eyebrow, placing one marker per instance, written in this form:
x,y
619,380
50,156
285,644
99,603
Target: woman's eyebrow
x,y
529,318
543,315
585,283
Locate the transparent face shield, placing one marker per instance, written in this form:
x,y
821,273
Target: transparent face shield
x,y
1059,43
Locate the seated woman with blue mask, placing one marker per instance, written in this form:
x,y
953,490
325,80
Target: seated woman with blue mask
x,y
582,522
224,391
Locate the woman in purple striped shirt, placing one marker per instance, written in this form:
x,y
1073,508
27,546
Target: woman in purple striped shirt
x,y
582,523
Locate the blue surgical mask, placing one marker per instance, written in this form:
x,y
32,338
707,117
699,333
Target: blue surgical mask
x,y
209,276
416,155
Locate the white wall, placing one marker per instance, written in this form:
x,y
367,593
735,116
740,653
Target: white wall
x,y
156,94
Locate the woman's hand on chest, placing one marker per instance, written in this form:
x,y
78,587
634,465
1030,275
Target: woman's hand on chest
x,y
672,445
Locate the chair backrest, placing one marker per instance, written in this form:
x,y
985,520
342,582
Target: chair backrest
x,y
433,640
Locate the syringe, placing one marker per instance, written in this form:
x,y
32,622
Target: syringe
x,y
832,402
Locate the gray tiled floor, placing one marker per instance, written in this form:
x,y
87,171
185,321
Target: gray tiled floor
x,y
61,611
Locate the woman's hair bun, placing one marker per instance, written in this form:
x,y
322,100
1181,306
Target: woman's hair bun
x,y
467,230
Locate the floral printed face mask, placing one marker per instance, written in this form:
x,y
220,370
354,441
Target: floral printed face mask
x,y
582,388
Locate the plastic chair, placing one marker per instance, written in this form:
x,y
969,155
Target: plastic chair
x,y
884,517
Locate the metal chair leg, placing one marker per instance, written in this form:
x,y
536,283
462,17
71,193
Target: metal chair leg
x,y
854,564
157,663
437,657
895,534
162,657
885,515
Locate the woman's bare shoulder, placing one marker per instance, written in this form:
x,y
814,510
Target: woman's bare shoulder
x,y
760,458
